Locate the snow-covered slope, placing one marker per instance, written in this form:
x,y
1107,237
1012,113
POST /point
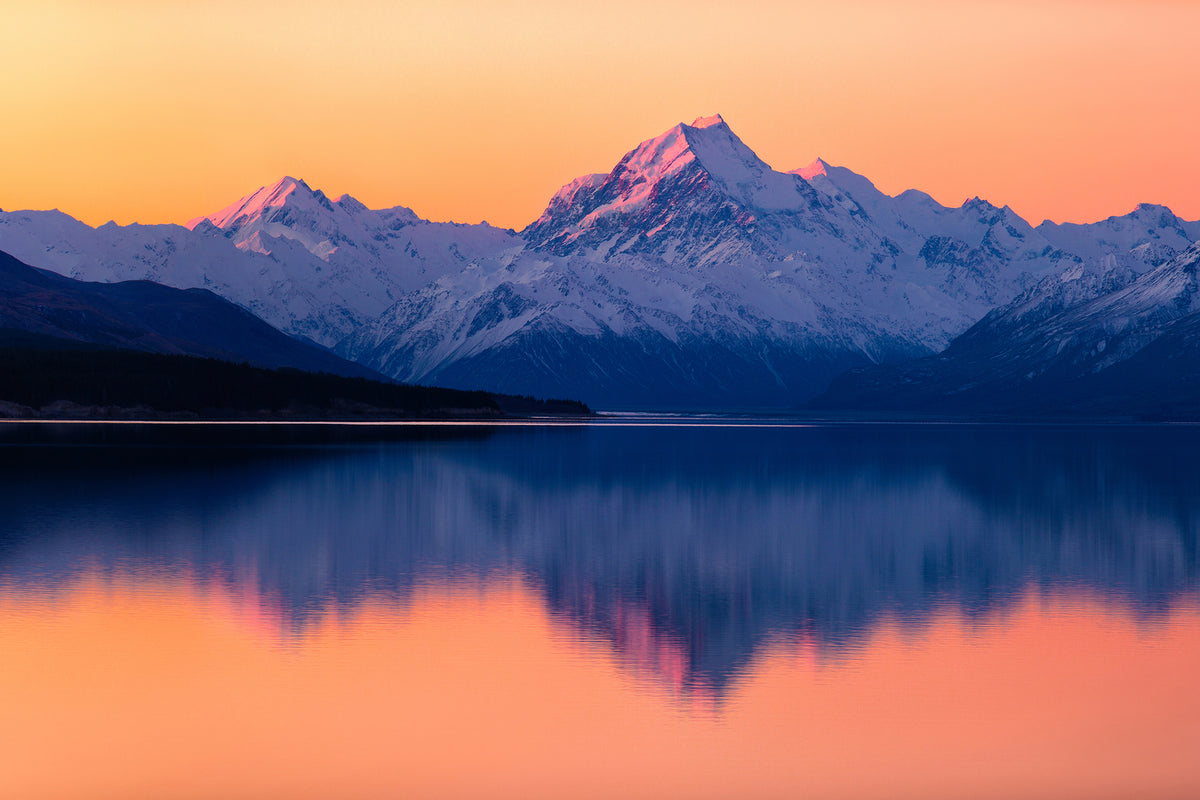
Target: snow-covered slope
x,y
691,274
1111,343
39,309
310,266
912,217
1146,237
398,250
285,288
693,271
696,185
621,334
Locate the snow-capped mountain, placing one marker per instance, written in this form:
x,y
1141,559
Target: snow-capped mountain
x,y
978,250
695,195
691,274
680,277
40,309
1112,343
310,266
1148,236
695,273
398,250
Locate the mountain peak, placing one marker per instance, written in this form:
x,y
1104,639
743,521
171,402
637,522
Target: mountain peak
x,y
664,184
710,145
1161,214
285,191
978,204
350,204
708,122
816,168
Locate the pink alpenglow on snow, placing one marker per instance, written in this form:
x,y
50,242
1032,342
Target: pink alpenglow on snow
x,y
252,205
708,122
813,170
708,143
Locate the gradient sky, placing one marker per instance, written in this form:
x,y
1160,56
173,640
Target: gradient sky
x,y
159,111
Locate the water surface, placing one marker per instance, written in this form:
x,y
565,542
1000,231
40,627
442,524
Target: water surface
x,y
600,611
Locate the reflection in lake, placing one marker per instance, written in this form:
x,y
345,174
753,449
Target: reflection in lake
x,y
701,564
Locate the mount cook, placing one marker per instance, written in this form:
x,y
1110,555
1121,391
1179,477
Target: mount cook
x,y
690,275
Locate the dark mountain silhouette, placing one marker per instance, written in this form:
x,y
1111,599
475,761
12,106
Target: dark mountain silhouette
x,y
146,316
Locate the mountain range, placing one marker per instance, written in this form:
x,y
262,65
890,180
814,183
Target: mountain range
x,y
1099,344
38,307
137,349
691,275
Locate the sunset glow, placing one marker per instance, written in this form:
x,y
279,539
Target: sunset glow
x,y
162,111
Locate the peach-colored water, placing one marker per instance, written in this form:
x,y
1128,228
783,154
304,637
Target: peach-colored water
x,y
135,686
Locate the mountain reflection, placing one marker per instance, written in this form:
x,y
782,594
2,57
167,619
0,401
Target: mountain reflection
x,y
687,548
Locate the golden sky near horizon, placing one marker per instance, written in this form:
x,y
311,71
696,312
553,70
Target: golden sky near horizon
x,y
160,111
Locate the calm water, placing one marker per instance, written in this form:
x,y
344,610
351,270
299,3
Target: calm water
x,y
600,611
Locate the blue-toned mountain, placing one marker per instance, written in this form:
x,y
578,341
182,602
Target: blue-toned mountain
x,y
38,305
1112,343
693,274
690,275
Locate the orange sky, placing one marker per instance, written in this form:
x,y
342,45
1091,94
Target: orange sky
x,y
156,111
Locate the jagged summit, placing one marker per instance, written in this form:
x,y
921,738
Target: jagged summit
x,y
1155,226
269,203
816,168
288,209
350,204
708,122
265,204
978,202
665,185
256,204
708,143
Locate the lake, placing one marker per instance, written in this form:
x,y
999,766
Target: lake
x,y
639,608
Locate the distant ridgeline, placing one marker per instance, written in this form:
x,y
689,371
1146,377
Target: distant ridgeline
x,y
1099,345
